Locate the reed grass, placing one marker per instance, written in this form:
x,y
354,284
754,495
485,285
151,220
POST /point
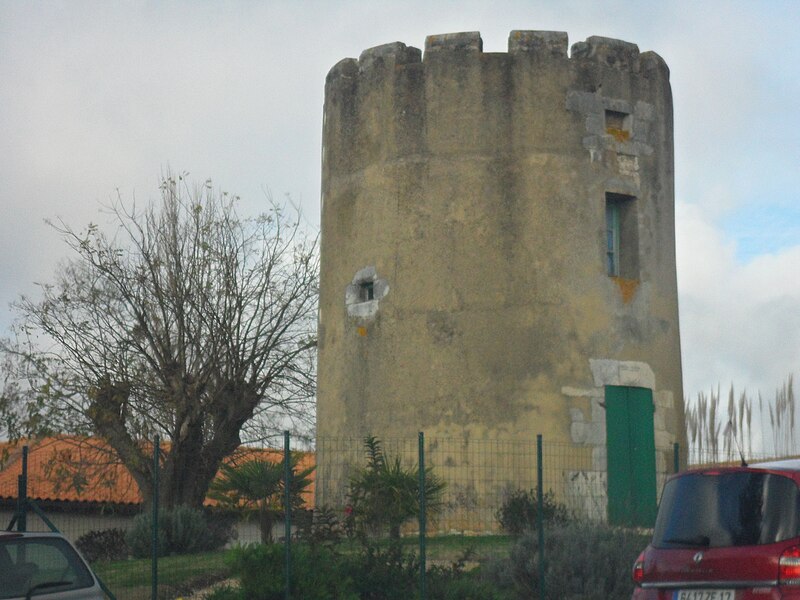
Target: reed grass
x,y
742,425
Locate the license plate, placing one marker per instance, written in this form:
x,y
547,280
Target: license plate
x,y
704,595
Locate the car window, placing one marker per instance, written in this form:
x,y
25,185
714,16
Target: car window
x,y
727,509
30,562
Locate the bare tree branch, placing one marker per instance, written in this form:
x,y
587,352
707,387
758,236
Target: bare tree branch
x,y
188,322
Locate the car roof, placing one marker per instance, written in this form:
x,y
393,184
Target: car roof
x,y
29,534
789,467
787,464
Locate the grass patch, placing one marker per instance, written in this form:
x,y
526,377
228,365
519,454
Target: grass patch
x,y
448,548
130,579
445,549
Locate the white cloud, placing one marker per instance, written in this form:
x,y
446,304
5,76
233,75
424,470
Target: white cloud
x,y
99,95
740,323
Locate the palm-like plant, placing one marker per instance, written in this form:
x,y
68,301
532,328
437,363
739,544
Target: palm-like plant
x,y
257,486
386,494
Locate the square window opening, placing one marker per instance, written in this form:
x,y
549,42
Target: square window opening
x,y
366,291
618,124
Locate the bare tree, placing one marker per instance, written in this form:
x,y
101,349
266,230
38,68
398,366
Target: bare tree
x,y
187,322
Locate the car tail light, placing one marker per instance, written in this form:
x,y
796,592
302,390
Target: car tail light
x,y
638,570
789,569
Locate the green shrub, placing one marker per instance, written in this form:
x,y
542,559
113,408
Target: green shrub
x,y
221,528
377,571
520,509
181,530
256,487
319,527
383,572
316,573
103,545
187,530
226,592
586,561
385,494
497,571
466,586
140,536
454,582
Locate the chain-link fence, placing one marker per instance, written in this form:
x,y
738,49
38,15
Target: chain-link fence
x,y
447,506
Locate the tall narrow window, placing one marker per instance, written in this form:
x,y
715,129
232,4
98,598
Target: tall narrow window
x,y
612,238
622,236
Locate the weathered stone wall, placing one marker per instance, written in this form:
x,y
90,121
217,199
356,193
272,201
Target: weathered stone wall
x,y
464,289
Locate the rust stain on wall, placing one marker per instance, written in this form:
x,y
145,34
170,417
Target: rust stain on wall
x,y
627,287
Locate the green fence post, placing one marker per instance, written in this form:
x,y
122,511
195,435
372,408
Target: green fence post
x,y
154,548
422,518
287,513
676,457
540,513
22,493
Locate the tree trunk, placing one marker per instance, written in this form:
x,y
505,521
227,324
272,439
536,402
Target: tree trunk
x,y
265,522
193,462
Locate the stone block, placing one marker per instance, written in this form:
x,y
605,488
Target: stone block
x,y
658,421
636,374
600,459
596,434
605,372
665,399
599,410
664,439
577,432
454,42
392,54
608,51
651,62
576,392
345,68
584,102
543,43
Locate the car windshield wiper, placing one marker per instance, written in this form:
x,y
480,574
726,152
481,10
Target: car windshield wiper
x,y
45,585
700,541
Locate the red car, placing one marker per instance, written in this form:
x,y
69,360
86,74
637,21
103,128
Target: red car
x,y
725,534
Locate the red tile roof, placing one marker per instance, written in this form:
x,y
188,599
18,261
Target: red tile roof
x,y
75,469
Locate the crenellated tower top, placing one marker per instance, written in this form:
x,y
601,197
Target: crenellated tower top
x,y
606,52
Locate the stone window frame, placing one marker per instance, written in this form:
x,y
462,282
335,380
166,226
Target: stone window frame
x,y
363,295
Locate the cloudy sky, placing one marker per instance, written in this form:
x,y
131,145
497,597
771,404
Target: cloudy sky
x,y
100,96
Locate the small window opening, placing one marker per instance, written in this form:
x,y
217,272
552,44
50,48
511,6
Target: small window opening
x,y
366,291
618,125
622,236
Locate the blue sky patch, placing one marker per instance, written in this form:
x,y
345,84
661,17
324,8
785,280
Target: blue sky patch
x,y
763,229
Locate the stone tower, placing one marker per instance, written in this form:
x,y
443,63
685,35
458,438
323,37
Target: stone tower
x,y
498,250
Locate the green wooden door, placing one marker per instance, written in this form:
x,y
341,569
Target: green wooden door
x,y
631,456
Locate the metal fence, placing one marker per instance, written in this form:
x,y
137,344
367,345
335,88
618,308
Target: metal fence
x,y
456,494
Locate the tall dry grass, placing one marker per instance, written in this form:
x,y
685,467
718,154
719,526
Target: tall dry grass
x,y
743,426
